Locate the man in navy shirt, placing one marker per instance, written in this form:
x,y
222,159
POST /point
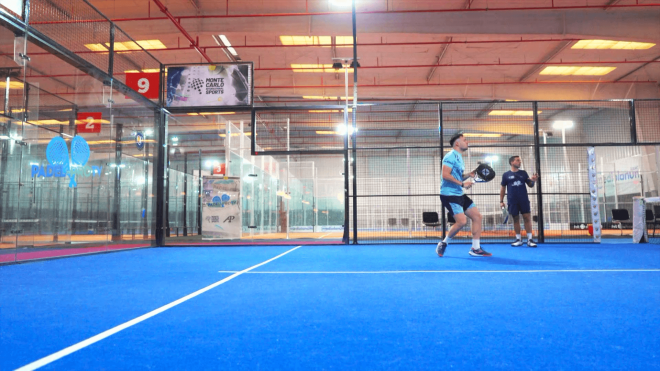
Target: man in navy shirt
x,y
513,183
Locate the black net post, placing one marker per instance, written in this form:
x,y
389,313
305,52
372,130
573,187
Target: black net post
x,y
442,155
539,181
633,123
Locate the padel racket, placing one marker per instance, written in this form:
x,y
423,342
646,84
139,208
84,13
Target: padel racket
x,y
79,155
484,174
505,215
57,153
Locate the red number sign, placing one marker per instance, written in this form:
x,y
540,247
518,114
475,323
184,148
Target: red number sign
x,y
89,122
147,84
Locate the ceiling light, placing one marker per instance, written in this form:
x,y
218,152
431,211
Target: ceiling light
x,y
482,135
341,2
341,130
225,41
562,124
4,137
326,132
322,97
492,158
577,70
611,44
324,41
175,139
96,47
511,113
12,85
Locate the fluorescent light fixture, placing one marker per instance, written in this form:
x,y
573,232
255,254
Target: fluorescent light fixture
x,y
207,163
12,85
323,97
611,44
148,132
210,113
326,132
175,139
283,195
341,130
492,158
566,124
577,70
341,2
324,41
511,113
4,137
96,47
482,135
18,137
225,41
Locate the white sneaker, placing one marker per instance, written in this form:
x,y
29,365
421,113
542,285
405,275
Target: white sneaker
x,y
517,243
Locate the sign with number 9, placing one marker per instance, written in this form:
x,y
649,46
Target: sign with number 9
x,y
146,84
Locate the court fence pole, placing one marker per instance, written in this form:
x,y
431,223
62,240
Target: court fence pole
x,y
539,181
442,154
354,137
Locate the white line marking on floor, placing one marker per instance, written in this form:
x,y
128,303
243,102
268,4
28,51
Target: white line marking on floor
x,y
323,235
512,271
66,351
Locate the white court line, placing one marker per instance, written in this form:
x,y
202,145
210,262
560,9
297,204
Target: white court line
x,y
66,351
464,271
324,235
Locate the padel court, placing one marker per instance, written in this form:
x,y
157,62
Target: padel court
x,y
329,185
335,307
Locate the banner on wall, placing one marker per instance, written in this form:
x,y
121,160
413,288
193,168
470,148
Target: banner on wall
x,y
221,208
212,85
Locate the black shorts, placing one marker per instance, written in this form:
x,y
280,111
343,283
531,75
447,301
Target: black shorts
x,y
456,204
517,207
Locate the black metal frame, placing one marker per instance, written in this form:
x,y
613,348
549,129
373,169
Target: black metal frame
x,y
353,149
205,108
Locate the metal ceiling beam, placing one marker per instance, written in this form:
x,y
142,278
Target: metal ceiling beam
x,y
177,24
558,49
654,60
460,10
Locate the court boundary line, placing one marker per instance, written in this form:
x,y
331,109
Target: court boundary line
x,y
107,333
461,271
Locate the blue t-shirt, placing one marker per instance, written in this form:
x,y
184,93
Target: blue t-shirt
x,y
515,181
454,160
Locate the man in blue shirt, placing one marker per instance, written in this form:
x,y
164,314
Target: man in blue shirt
x,y
458,204
513,183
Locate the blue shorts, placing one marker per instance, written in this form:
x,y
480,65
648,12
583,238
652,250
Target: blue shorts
x,y
456,204
517,207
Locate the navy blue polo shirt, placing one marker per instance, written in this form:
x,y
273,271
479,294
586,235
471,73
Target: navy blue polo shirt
x,y
515,181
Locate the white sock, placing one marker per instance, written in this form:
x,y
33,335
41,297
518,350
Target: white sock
x,y
529,236
447,239
475,244
518,237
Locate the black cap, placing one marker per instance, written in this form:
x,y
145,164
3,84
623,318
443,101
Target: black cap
x,y
454,137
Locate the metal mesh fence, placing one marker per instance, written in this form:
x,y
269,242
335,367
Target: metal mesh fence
x,y
397,125
648,120
300,129
75,25
584,122
129,57
489,123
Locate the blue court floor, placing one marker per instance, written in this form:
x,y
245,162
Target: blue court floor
x,y
374,307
